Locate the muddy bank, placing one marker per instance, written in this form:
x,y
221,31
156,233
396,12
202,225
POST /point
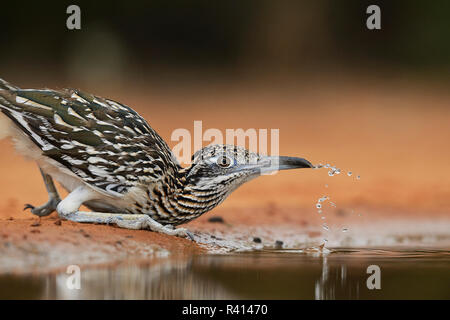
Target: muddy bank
x,y
36,246
49,244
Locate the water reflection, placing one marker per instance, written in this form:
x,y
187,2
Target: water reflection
x,y
341,274
333,283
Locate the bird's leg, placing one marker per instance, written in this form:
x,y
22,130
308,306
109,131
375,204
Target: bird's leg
x,y
128,221
53,198
68,209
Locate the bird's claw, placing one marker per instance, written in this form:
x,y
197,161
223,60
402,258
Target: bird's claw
x,y
180,232
190,235
28,206
184,233
43,210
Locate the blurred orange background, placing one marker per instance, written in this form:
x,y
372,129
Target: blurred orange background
x,y
372,102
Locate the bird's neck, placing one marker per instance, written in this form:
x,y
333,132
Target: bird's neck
x,y
181,200
190,200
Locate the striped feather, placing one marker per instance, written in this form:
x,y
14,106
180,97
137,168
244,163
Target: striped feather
x,y
105,143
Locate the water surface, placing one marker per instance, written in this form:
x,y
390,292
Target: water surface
x,y
406,273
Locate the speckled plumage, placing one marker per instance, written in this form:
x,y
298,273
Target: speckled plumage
x,y
111,160
105,143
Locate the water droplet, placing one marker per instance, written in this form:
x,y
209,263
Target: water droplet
x,y
349,173
358,177
330,173
344,229
338,171
319,211
318,206
325,227
327,165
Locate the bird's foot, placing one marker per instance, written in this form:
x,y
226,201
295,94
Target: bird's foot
x,y
128,221
45,209
145,222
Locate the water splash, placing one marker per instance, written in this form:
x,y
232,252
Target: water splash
x,y
332,171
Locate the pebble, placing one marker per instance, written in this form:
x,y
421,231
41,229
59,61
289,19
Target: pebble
x,y
257,240
35,224
278,244
216,219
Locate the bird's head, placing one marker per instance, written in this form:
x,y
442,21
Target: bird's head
x,y
220,169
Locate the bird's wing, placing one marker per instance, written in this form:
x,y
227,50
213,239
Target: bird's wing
x,y
105,143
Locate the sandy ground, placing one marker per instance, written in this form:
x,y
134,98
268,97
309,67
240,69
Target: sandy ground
x,y
394,135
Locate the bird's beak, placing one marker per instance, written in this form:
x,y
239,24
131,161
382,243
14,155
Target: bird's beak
x,y
285,163
271,164
275,163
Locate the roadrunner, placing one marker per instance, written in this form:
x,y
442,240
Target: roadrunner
x,y
109,159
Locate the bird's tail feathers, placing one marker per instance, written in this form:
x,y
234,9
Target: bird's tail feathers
x,y
5,123
7,86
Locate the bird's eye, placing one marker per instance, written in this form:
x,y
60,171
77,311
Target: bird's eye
x,y
224,161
